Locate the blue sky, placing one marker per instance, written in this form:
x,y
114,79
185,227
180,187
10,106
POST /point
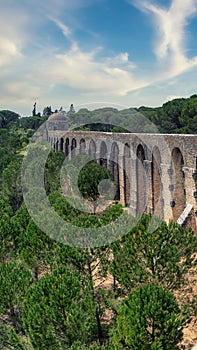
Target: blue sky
x,y
88,52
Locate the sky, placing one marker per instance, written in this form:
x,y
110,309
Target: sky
x,y
124,53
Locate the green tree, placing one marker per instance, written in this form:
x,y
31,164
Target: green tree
x,y
47,111
21,218
32,123
163,255
62,207
11,340
189,114
52,171
89,178
14,281
58,311
7,238
91,263
12,189
149,318
9,145
34,247
8,119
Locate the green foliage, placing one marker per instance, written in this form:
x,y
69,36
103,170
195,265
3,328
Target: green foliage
x,y
162,255
18,342
52,171
111,213
12,189
62,207
176,116
21,218
32,123
58,310
14,281
7,238
66,308
10,143
47,111
92,263
189,114
89,179
149,318
79,346
8,119
87,221
5,207
34,246
11,139
7,231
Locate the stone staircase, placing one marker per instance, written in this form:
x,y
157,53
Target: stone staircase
x,y
182,218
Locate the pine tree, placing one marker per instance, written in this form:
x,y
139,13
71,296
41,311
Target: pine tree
x,y
149,318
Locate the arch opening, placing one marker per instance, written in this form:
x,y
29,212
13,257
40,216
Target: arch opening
x,y
92,149
114,168
67,147
127,174
73,147
82,146
157,202
61,144
179,195
57,145
103,154
142,188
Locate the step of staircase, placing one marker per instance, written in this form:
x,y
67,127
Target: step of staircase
x,y
184,214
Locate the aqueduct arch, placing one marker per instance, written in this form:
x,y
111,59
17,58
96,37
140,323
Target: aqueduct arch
x,y
162,180
67,147
141,180
73,147
61,144
114,167
92,149
103,154
82,146
127,173
157,203
178,187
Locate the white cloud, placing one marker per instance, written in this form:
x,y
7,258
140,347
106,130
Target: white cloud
x,y
35,70
13,37
8,51
121,60
64,28
170,27
118,75
84,71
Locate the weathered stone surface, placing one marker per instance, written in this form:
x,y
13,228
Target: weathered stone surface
x,y
151,171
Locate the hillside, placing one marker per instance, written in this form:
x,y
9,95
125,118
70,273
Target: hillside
x,y
59,296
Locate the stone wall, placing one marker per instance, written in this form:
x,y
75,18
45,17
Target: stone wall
x,y
154,173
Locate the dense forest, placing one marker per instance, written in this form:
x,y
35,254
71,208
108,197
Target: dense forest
x,y
119,296
178,116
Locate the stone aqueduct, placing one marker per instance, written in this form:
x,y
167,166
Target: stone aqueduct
x,y
154,173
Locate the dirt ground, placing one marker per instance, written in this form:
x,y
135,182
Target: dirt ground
x,y
187,292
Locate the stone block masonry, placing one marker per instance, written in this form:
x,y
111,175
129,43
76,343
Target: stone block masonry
x,y
154,173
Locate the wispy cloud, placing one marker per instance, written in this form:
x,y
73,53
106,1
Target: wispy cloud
x,y
170,28
63,27
83,70
34,67
8,51
12,37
